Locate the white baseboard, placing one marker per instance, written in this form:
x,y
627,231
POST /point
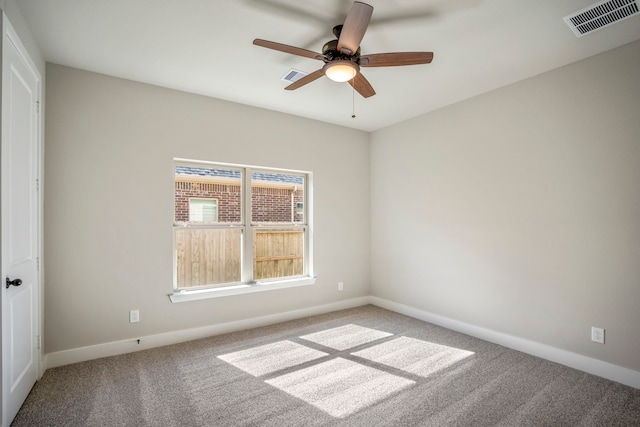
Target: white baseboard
x,y
577,361
573,360
66,357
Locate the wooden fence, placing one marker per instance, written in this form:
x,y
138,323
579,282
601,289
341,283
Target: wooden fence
x,y
277,253
207,256
212,256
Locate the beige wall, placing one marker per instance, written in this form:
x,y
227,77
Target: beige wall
x,y
520,209
108,251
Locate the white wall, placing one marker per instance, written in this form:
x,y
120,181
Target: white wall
x,y
519,210
109,204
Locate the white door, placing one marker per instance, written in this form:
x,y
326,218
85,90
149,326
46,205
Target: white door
x,y
20,242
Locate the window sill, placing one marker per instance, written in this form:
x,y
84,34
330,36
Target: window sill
x,y
199,294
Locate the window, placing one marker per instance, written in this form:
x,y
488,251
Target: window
x,y
203,210
239,225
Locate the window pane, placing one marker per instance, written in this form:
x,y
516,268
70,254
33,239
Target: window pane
x,y
275,197
207,256
278,253
208,185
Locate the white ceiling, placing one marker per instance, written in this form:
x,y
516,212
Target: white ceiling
x,y
205,47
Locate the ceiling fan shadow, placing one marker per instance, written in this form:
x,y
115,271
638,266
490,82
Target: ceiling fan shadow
x,y
437,10
333,14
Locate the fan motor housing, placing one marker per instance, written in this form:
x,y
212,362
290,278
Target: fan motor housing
x,y
330,50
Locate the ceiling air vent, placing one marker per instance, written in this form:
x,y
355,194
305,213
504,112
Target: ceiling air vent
x,y
600,15
293,75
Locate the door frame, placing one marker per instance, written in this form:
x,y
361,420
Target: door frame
x,y
9,32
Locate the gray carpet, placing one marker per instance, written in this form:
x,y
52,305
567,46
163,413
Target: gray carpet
x,y
359,367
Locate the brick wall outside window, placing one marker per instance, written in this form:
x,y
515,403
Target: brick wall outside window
x,y
269,204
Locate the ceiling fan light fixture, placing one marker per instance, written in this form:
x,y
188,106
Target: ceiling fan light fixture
x,y
341,70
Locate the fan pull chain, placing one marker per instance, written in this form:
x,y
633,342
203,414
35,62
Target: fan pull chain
x,y
353,102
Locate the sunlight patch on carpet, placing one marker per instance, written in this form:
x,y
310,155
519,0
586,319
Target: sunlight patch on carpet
x,y
345,337
414,356
340,387
269,358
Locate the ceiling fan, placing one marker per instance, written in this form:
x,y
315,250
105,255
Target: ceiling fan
x,y
342,56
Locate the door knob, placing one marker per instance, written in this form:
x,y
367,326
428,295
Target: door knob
x,y
14,282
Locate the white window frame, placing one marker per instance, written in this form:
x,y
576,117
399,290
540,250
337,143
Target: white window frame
x,y
247,284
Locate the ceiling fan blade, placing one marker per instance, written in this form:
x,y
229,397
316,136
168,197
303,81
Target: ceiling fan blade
x,y
354,27
288,49
362,86
395,59
306,80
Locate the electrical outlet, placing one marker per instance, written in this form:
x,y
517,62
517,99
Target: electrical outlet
x,y
134,316
340,286
597,335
